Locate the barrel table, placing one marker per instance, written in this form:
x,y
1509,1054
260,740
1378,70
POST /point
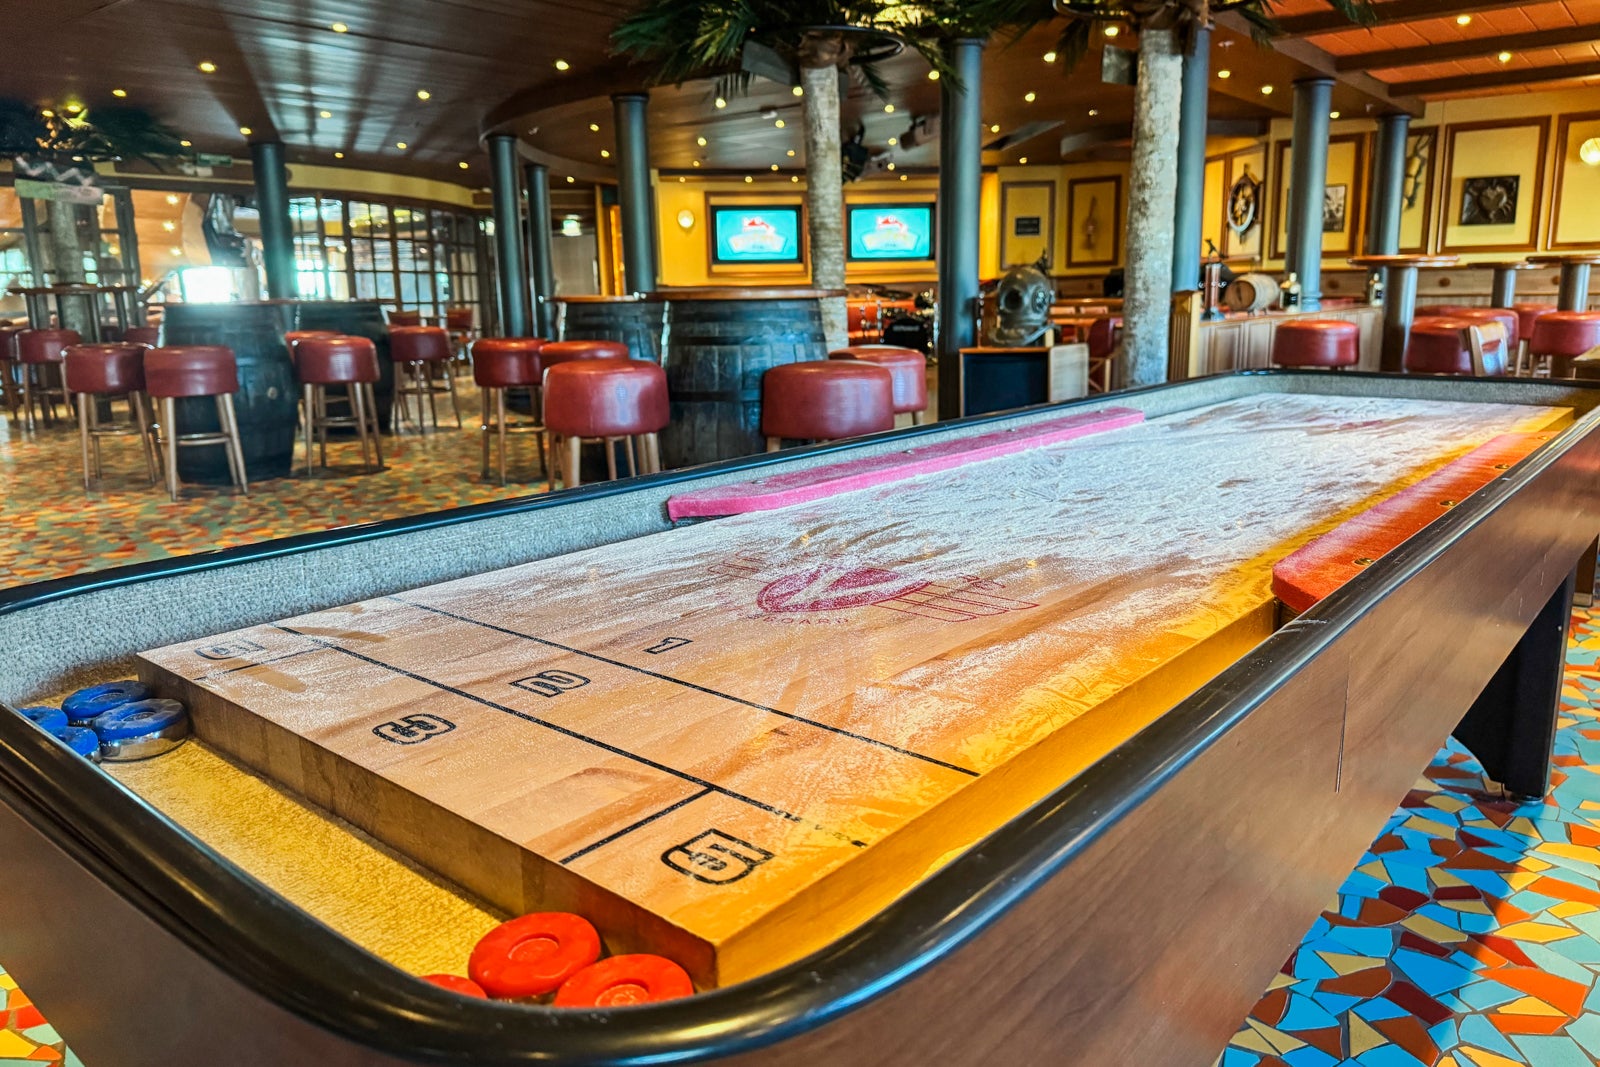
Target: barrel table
x,y
266,401
1399,299
720,341
633,320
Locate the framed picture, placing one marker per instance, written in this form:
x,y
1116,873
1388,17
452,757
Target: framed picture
x,y
1489,201
1577,181
1244,203
1027,222
1416,191
1334,202
1094,222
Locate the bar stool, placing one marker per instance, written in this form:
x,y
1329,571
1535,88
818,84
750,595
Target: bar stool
x,y
38,350
10,386
1456,346
824,401
1563,336
294,337
94,371
402,317
1105,333
556,352
1329,343
907,366
461,321
500,364
606,400
149,336
416,350
195,371
348,361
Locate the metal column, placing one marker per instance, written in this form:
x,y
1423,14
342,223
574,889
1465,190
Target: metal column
x,y
277,231
511,268
1308,184
960,181
1388,186
542,265
1190,203
634,193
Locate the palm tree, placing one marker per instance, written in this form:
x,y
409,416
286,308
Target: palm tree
x,y
1167,31
820,38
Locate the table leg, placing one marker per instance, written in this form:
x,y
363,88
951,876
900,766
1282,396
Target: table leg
x,y
1511,726
1503,290
1399,308
1574,287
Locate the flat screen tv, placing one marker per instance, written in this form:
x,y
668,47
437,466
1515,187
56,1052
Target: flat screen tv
x,y
891,231
756,234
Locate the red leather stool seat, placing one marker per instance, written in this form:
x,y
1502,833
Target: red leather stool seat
x,y
460,319
419,344
1438,311
45,346
1439,346
1505,316
908,367
1527,315
293,338
1317,343
8,341
398,317
605,398
191,370
110,369
566,351
149,336
336,360
1566,334
824,401
507,362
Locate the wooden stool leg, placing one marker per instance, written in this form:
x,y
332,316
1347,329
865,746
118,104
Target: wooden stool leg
x,y
372,413
83,434
169,435
774,444
142,420
918,418
450,382
571,476
610,444
94,434
235,444
500,431
227,452
358,402
309,400
483,430
27,396
433,397
653,447
554,466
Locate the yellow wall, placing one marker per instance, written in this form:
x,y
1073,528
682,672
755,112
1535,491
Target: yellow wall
x,y
1048,190
1579,219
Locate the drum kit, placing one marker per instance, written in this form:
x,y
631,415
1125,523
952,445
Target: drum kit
x,y
880,315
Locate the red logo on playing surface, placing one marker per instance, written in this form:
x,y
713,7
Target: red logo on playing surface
x,y
832,587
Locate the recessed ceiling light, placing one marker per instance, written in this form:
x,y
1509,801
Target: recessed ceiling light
x,y
888,109
594,127
780,124
247,131
605,153
891,166
1504,57
1266,90
1112,31
1333,114
326,114
694,163
339,27
47,113
798,91
119,93
794,178
571,179
1024,159
186,144
903,177
774,166
176,251
893,141
933,75
562,64
207,67
1224,74
1030,97
169,225
338,155
701,141
73,109
401,145
995,128
172,198
790,153
464,165
1049,57
721,103
1463,20
1093,111
748,179
423,94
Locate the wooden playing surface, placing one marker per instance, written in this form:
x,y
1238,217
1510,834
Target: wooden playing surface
x,y
734,741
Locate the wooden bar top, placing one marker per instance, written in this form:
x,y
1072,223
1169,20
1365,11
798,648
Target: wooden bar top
x,y
1404,261
1565,258
734,292
601,298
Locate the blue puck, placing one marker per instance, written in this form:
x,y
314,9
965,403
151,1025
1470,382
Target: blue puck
x,y
96,700
51,720
138,719
82,741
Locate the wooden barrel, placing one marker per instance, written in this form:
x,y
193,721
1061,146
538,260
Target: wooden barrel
x,y
719,344
1251,293
356,318
266,401
633,320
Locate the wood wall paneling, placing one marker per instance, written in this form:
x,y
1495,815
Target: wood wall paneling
x,y
1490,149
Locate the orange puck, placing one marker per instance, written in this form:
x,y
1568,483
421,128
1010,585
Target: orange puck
x,y
456,984
530,956
623,980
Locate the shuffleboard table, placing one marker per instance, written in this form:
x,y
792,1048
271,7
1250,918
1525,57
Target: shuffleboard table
x,y
979,740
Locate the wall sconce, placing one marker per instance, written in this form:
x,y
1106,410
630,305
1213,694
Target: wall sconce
x,y
685,219
1589,151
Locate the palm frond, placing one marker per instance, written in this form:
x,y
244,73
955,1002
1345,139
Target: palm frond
x,y
1073,43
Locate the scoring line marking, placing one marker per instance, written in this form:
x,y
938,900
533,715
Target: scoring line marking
x,y
613,749
647,820
257,663
689,685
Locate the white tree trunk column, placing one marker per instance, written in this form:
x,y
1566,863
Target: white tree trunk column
x,y
1153,187
825,196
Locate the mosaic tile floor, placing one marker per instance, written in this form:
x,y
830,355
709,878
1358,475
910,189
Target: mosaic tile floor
x,y
53,528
